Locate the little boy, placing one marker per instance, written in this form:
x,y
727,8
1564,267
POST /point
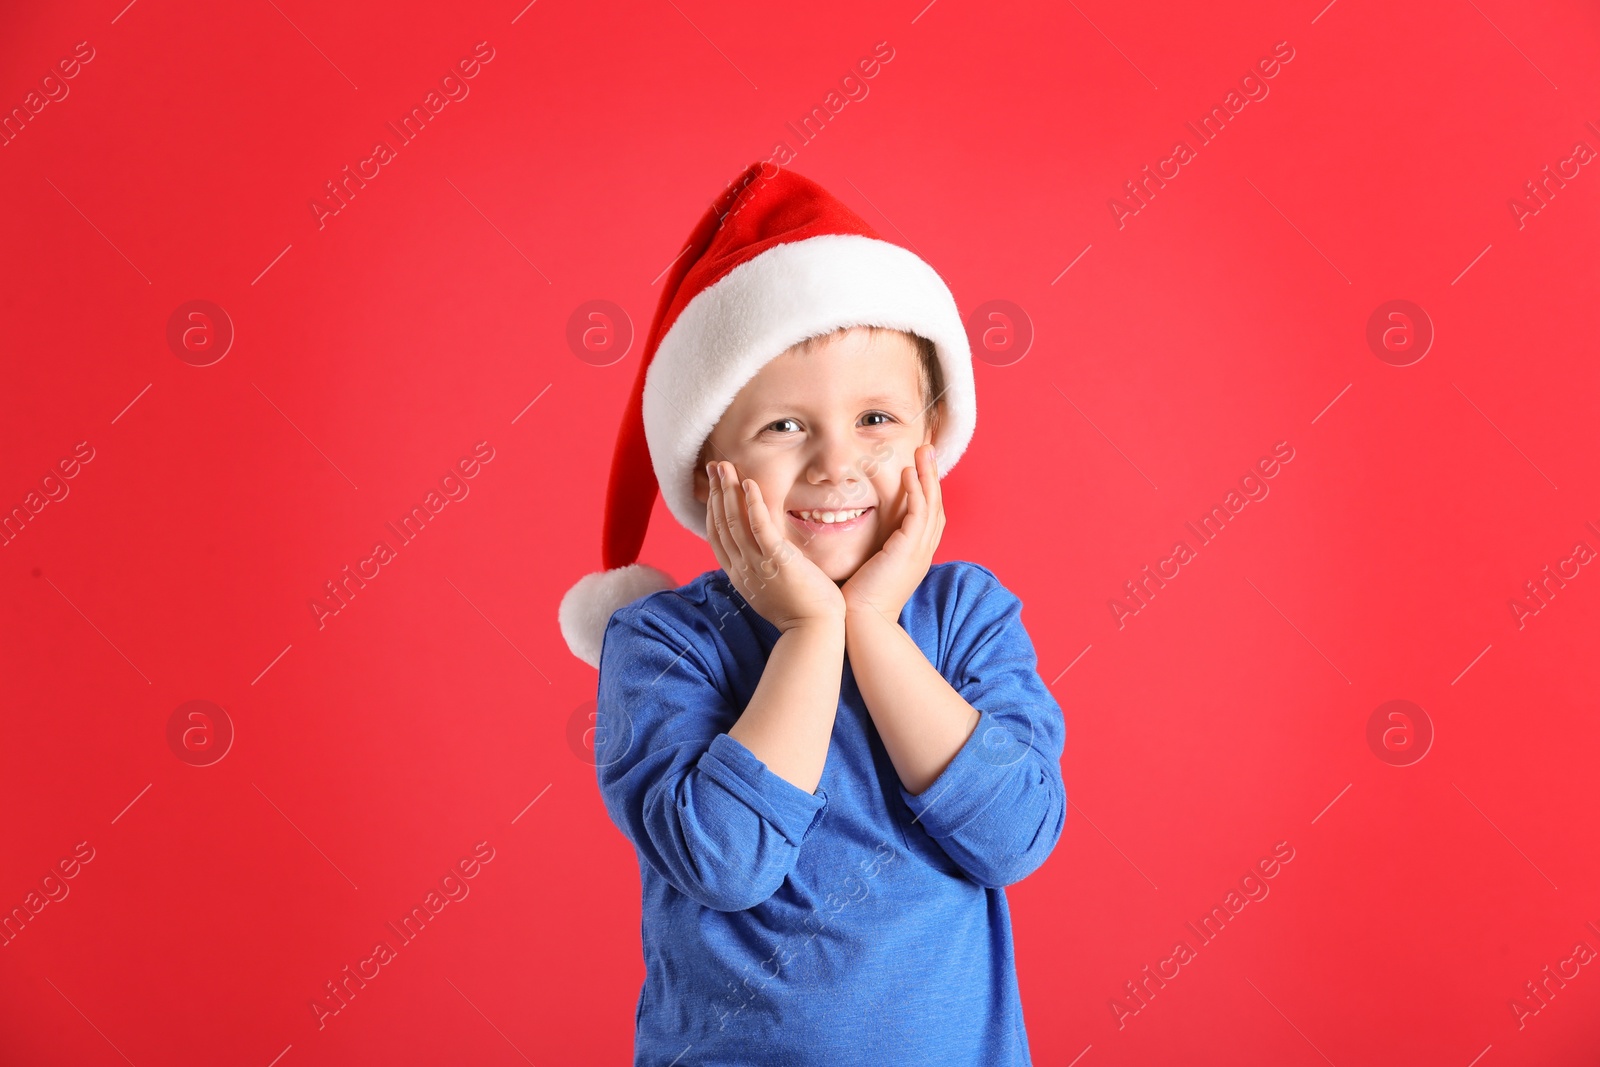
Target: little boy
x,y
831,754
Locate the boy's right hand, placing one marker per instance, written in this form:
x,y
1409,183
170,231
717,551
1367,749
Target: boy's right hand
x,y
773,575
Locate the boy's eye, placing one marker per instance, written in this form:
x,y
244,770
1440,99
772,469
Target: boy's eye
x,y
780,425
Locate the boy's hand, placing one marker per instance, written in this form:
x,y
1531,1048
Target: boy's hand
x,y
886,581
774,576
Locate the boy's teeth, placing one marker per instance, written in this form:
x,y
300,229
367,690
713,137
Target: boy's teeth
x,y
830,516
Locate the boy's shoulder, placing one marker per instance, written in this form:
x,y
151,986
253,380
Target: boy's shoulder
x,y
962,577
949,597
693,597
676,617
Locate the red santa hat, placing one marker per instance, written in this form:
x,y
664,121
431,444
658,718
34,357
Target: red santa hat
x,y
774,261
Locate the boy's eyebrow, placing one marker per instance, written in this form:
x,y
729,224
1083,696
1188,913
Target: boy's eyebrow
x,y
866,401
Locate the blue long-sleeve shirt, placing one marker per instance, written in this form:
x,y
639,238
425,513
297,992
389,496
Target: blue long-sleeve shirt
x,y
860,924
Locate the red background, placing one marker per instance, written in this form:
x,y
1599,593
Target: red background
x,y
371,354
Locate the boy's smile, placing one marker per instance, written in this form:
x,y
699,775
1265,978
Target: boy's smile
x,y
819,521
825,430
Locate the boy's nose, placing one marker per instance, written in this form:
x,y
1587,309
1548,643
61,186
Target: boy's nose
x,y
837,462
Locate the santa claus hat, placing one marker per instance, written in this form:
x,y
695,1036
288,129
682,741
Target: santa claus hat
x,y
774,261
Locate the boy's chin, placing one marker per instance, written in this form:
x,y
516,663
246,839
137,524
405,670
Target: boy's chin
x,y
839,565
839,570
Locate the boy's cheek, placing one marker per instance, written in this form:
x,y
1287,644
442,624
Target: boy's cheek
x,y
775,513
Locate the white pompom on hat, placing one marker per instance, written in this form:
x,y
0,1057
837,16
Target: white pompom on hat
x,y
774,261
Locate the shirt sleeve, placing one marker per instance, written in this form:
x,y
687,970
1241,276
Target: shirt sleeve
x,y
701,809
998,808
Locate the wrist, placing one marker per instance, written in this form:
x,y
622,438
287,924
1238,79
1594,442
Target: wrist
x,y
821,625
858,614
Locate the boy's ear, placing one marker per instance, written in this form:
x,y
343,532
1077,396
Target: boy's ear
x,y
702,484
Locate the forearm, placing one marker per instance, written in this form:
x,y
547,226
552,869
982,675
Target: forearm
x,y
922,720
789,720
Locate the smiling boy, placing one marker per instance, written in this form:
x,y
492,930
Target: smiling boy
x,y
831,754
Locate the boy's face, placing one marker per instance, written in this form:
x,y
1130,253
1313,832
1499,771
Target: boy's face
x,y
828,429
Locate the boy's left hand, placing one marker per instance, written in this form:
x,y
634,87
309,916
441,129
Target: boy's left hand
x,y
886,581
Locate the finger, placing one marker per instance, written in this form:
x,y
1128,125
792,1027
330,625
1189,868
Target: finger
x,y
916,500
724,507
711,505
739,519
714,520
935,495
919,475
761,521
730,548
